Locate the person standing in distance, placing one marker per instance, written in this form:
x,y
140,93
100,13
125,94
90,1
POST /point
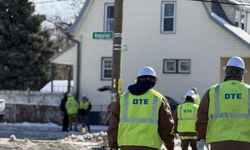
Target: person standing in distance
x,y
72,111
185,118
83,113
224,112
65,121
141,119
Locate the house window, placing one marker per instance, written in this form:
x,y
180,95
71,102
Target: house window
x,y
240,19
181,66
168,17
106,68
169,66
109,17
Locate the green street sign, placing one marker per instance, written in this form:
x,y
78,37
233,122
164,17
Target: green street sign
x,y
102,35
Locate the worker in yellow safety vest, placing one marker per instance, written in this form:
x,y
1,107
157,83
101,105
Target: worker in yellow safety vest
x,y
72,111
224,112
83,113
141,119
185,119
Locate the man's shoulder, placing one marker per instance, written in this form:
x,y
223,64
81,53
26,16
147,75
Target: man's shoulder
x,y
157,93
215,85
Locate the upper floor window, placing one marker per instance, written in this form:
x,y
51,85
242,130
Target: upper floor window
x,y
168,17
109,17
181,66
106,70
240,19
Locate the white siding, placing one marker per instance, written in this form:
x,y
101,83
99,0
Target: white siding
x,y
248,23
197,38
92,51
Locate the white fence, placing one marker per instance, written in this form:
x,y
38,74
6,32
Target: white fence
x,y
31,98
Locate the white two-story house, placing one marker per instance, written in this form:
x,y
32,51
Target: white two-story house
x,y
187,42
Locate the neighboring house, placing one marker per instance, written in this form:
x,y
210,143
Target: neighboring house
x,y
187,42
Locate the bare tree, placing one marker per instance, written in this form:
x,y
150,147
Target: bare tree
x,y
58,32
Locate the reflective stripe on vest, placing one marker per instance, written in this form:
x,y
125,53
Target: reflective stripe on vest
x,y
229,111
187,137
186,114
218,114
139,115
142,120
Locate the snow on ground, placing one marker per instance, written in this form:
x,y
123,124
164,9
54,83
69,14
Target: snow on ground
x,y
30,136
48,136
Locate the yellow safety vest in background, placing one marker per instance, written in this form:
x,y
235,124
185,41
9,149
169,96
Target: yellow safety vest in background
x,y
84,105
71,106
139,116
229,112
197,99
186,114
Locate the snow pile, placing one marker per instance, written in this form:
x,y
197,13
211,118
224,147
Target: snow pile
x,y
12,138
100,137
49,136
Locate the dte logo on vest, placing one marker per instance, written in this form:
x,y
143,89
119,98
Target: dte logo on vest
x,y
232,96
187,111
140,101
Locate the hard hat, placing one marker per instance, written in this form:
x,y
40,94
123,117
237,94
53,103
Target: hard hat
x,y
70,94
146,71
190,93
236,61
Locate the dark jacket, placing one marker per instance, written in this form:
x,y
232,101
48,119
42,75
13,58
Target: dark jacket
x,y
62,105
165,123
201,127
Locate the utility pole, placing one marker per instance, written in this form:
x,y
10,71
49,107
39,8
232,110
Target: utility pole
x,y
117,45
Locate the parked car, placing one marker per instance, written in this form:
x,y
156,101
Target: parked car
x,y
2,109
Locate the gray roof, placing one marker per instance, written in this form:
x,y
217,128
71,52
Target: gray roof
x,y
237,32
247,2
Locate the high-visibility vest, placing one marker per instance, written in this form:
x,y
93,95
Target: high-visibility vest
x,y
197,99
84,104
139,114
186,114
229,112
71,106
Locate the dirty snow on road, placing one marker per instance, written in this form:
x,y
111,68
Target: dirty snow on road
x,y
37,136
29,136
